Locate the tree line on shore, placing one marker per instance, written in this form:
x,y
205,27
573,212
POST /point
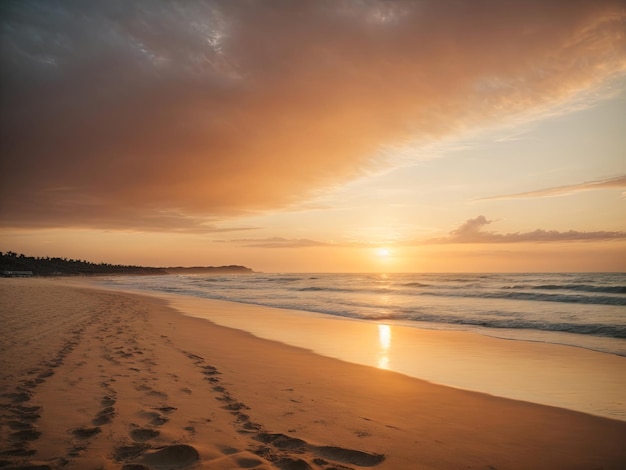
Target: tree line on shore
x,y
11,262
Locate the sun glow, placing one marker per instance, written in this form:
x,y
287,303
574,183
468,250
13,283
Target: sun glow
x,y
383,252
384,339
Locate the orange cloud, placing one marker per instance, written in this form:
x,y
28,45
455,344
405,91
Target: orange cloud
x,y
618,182
276,242
170,116
471,232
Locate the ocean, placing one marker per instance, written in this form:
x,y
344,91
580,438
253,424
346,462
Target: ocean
x,y
586,310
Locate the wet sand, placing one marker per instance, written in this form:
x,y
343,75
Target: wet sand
x,y
98,379
549,374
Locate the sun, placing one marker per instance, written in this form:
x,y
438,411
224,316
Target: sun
x,y
383,252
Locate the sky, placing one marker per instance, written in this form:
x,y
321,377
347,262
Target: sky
x,y
316,135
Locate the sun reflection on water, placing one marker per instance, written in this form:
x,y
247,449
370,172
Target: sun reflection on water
x,y
384,339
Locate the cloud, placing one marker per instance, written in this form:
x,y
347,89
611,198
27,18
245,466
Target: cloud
x,y
114,113
276,242
124,218
471,232
617,182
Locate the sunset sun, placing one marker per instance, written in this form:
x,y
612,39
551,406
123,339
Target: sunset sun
x,y
383,252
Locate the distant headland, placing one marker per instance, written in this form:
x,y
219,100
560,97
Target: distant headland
x,y
19,265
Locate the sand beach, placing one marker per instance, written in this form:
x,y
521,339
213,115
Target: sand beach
x,y
111,380
313,235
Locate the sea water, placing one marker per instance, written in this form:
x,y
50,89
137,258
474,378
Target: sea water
x,y
586,310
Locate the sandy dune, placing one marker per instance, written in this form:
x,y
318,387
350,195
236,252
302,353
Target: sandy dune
x,y
97,379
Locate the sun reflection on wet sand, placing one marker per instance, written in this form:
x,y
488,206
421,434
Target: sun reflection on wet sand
x,y
548,374
384,339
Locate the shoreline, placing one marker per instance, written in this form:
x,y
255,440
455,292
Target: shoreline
x,y
560,375
371,305
116,380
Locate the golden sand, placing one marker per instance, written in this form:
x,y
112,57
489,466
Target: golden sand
x,y
98,379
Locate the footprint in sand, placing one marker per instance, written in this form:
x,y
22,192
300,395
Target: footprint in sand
x,y
108,401
23,430
143,388
281,441
355,457
210,370
20,396
166,408
236,406
245,424
172,457
26,414
154,418
31,434
86,433
19,425
29,383
287,463
143,434
157,394
104,416
284,443
18,450
193,357
280,448
246,462
129,452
